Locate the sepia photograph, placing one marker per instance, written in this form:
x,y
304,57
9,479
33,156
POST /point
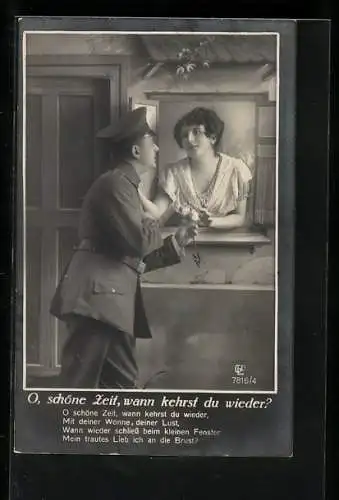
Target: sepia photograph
x,y
150,211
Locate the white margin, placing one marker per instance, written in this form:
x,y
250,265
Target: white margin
x,y
24,312
276,287
276,261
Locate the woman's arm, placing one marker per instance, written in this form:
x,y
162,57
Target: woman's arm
x,y
150,208
231,221
160,209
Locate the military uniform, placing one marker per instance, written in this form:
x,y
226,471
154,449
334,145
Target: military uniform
x,y
99,295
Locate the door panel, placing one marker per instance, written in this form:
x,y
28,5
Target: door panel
x,y
63,158
76,148
34,151
67,239
33,287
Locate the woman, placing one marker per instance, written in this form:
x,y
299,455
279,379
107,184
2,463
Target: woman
x,y
206,185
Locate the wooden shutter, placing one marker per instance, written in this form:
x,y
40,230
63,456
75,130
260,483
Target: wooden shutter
x,y
265,181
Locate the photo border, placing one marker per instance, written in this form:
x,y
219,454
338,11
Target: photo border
x,y
277,210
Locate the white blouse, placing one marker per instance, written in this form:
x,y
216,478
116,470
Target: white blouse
x,y
229,186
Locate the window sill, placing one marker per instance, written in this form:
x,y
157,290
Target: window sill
x,y
243,237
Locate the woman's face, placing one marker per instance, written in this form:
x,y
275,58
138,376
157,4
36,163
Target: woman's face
x,y
195,141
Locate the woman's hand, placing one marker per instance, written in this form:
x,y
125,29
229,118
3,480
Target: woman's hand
x,y
218,223
205,219
213,222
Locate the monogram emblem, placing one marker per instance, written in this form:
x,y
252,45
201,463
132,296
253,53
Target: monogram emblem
x,y
239,369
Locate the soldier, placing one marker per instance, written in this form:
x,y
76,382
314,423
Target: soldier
x,y
99,295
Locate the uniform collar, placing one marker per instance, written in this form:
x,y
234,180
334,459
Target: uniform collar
x,y
130,172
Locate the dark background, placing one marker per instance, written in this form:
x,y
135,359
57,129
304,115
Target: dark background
x,y
37,477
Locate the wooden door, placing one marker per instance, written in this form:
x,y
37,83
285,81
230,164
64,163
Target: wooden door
x,y
63,157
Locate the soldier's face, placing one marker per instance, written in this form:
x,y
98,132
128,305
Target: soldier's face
x,y
147,152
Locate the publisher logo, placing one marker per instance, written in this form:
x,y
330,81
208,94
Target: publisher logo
x,y
239,369
240,375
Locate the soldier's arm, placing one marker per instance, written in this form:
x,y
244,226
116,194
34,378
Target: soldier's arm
x,y
168,254
121,214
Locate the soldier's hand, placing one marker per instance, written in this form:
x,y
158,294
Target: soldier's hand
x,y
186,233
204,219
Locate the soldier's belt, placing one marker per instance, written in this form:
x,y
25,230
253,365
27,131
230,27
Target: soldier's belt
x,y
136,264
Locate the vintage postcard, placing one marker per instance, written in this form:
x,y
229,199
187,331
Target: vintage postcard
x,y
154,253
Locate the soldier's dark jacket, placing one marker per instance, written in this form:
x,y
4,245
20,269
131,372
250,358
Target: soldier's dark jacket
x,y
98,283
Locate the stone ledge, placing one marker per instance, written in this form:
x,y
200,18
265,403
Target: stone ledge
x,y
210,286
219,237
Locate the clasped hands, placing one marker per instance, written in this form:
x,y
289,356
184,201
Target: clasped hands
x,y
189,228
186,232
205,219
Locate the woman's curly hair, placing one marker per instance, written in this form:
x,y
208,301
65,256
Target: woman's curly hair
x,y
214,126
